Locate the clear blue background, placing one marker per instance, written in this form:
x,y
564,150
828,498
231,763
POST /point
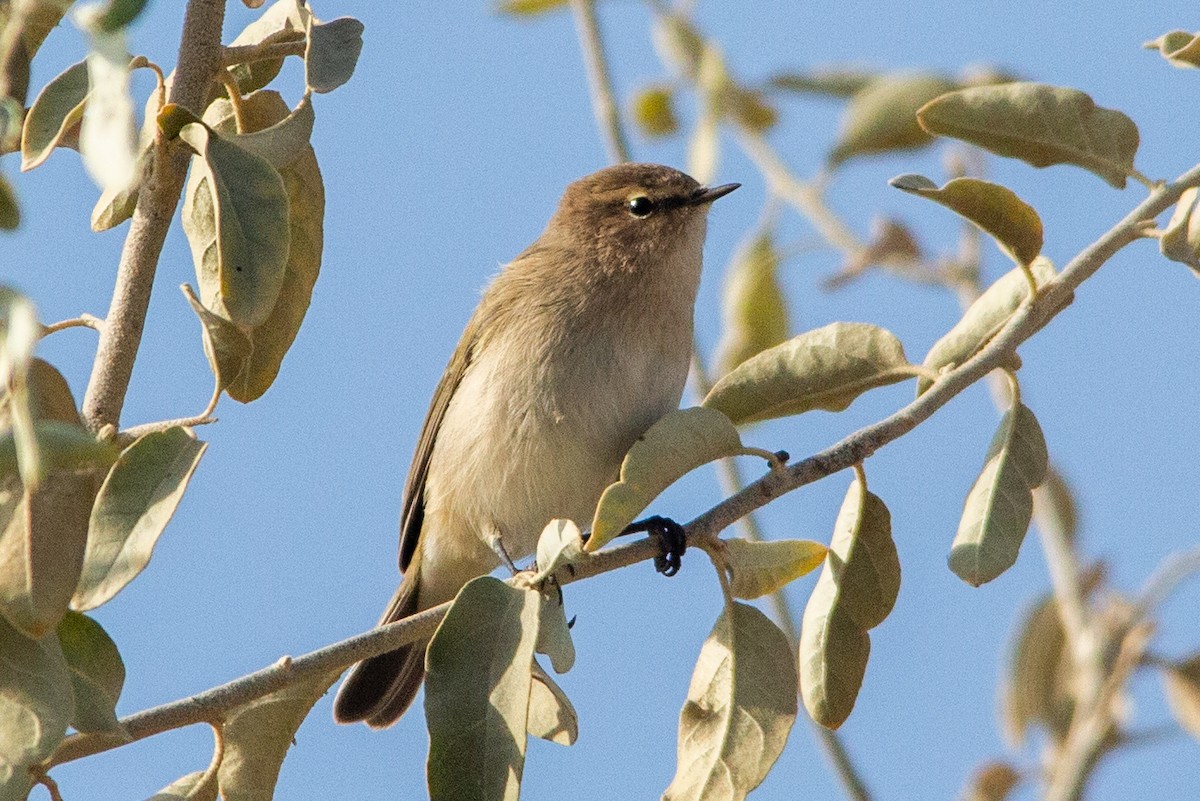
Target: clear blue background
x,y
443,158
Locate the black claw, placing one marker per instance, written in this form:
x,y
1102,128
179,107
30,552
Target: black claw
x,y
671,538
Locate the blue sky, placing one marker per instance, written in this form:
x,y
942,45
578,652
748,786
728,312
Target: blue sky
x,y
443,158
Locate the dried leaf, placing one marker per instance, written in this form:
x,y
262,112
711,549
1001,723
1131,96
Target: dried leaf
x,y
856,590
136,501
740,709
997,211
756,315
57,109
999,506
826,368
992,781
677,444
761,568
1039,124
97,673
1180,48
983,320
477,691
881,117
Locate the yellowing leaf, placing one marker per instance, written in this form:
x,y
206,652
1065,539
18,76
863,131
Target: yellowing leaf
x,y
996,209
652,110
856,590
756,315
35,699
740,709
57,109
1181,682
477,691
136,501
983,320
1180,48
97,673
1039,124
1031,691
551,715
528,8
258,736
236,219
761,568
881,116
677,444
999,506
826,368
332,53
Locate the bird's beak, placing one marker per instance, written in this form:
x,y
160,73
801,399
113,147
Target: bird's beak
x,y
707,194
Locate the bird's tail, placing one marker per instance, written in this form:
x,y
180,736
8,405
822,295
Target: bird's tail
x,y
380,689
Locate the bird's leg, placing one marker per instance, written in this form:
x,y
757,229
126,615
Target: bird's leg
x,y
672,540
496,542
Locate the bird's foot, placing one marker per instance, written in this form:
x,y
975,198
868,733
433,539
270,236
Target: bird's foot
x,y
672,541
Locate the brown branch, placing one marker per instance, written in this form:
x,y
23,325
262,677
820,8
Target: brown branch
x,y
199,58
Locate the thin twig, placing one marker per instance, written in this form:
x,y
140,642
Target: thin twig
x,y
199,58
84,320
204,418
264,51
1173,570
604,104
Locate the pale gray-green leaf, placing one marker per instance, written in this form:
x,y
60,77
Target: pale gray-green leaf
x,y
19,334
829,81
36,700
1180,48
1181,683
107,137
761,568
740,709
677,444
756,315
283,21
826,368
1039,124
999,506
552,716
97,673
258,736
332,54
10,209
996,209
1180,240
200,785
226,346
57,108
881,116
984,319
1031,691
135,503
560,543
856,590
554,633
236,221
477,690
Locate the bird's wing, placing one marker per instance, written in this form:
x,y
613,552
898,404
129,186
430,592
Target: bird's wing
x,y
413,510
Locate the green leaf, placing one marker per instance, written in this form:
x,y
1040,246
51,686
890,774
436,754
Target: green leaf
x,y
1000,504
992,781
1180,240
1181,683
135,503
41,551
57,109
477,692
236,219
761,568
677,444
855,592
831,81
554,633
269,343
283,21
1039,124
259,734
551,715
983,320
881,117
756,315
740,708
528,8
997,211
97,673
10,210
653,111
119,13
1032,690
826,368
332,54
560,543
35,698
1180,48
226,346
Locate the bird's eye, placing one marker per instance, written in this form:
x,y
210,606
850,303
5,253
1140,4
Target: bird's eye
x,y
640,206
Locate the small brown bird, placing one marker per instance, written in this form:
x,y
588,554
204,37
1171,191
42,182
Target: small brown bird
x,y
577,347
